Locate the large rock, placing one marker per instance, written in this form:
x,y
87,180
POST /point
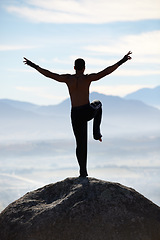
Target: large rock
x,y
81,209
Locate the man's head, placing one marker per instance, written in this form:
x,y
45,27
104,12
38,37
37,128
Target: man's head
x,y
79,64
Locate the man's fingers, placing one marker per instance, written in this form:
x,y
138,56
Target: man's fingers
x,y
25,60
129,57
129,53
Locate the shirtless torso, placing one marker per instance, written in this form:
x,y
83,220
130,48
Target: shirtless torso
x,y
78,86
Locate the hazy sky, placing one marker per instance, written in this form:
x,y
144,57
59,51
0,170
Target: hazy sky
x,y
53,33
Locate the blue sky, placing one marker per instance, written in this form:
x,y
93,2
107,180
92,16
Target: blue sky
x,y
53,33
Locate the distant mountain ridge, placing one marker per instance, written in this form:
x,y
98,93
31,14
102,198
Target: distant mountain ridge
x,y
19,104
150,96
120,116
112,105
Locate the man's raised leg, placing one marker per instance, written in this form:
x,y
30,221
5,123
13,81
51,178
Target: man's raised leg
x,y
97,105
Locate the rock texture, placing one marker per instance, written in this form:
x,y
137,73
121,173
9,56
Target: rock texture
x,y
81,209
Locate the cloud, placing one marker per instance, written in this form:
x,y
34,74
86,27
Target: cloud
x,y
118,90
42,92
124,72
136,72
86,11
142,44
145,48
14,47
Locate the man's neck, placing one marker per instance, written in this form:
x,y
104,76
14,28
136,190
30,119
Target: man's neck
x,y
79,72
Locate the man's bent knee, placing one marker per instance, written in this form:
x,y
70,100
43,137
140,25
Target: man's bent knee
x,y
96,104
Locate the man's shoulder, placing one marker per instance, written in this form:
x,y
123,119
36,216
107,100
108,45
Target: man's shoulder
x,y
77,75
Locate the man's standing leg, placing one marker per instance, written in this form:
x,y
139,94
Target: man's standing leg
x,y
80,132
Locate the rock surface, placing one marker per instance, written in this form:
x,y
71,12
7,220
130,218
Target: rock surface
x,y
81,209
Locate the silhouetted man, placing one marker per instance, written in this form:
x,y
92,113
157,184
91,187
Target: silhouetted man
x,y
82,110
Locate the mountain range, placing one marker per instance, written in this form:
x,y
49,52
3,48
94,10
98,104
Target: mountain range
x,y
150,96
24,120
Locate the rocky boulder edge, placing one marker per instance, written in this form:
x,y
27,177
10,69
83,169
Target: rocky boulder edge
x,y
81,209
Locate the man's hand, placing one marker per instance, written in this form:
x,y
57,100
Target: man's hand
x,y
125,58
128,55
29,63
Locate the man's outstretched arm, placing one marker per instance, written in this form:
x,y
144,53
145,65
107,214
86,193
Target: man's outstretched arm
x,y
45,72
110,69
